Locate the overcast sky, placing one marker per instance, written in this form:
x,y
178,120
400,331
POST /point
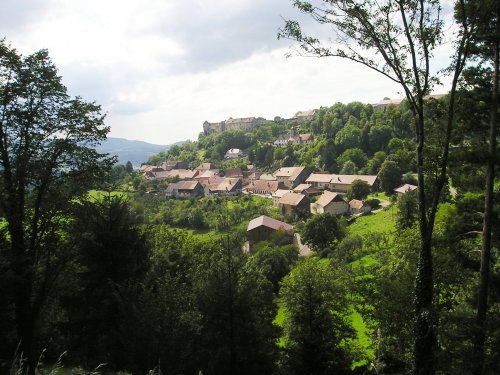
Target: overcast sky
x,y
160,68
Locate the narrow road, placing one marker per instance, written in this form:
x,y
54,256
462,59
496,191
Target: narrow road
x,y
304,250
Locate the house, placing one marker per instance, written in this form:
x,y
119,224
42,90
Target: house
x,y
340,182
319,180
223,185
330,202
263,187
267,177
173,164
233,173
278,194
184,189
301,188
183,174
386,102
294,203
254,176
303,116
402,190
291,176
233,153
146,168
263,227
357,207
206,167
204,176
157,175
300,139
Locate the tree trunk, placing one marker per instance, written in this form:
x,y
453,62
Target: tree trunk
x,y
482,303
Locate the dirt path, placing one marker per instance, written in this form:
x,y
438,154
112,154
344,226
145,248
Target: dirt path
x,y
304,250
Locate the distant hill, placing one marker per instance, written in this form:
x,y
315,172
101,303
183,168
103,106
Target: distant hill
x,y
136,151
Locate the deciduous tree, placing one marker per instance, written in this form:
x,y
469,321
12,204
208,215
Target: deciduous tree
x,y
397,40
46,161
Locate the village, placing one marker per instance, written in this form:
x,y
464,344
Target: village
x,y
294,191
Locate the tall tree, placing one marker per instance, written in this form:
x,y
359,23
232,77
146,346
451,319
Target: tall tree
x,y
487,49
315,320
114,258
45,162
397,39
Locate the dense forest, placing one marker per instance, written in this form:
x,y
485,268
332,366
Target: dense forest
x,y
101,273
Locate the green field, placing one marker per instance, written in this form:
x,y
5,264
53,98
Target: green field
x,y
380,222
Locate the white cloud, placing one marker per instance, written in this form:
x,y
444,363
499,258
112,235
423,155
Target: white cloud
x,y
160,68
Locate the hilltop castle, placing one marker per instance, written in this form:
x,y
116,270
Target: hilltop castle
x,y
245,123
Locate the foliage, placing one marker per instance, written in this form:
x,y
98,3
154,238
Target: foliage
x,y
407,213
315,323
47,160
390,176
322,231
359,190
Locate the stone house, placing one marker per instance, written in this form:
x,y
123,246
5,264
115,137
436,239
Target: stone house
x,y
294,203
263,187
291,176
402,190
330,202
357,207
184,189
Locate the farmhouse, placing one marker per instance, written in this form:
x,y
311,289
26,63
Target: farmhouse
x,y
183,189
330,202
263,187
340,182
263,227
358,207
291,176
294,203
402,190
278,194
223,185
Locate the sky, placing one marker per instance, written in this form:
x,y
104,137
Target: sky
x,y
160,68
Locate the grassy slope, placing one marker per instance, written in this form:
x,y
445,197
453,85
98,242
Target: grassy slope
x,y
380,222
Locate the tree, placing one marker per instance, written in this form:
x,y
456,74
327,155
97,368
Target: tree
x,y
407,214
46,161
316,321
114,258
359,190
129,167
349,168
397,39
355,155
487,50
322,230
390,176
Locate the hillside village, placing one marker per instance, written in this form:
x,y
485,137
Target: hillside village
x,y
296,191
